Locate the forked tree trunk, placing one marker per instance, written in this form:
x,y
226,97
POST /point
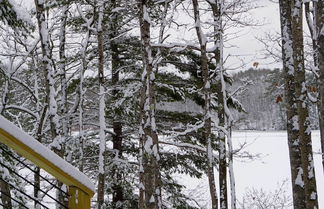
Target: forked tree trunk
x,y
150,179
302,106
294,143
207,112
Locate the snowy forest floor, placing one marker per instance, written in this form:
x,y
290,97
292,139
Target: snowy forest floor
x,y
264,174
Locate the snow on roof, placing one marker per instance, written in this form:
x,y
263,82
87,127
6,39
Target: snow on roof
x,y
43,151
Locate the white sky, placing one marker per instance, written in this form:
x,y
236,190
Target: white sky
x,y
248,45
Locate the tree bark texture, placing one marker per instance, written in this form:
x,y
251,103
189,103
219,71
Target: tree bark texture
x,y
294,143
217,13
320,47
150,179
302,106
102,107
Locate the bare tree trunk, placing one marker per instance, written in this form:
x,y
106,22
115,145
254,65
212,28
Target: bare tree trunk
x,y
218,34
102,106
320,41
117,173
315,22
150,179
84,64
56,144
62,73
302,107
39,135
207,96
231,168
294,143
64,102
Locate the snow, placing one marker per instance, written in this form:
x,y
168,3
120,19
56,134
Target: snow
x,y
266,173
45,152
146,16
102,125
299,179
148,145
21,12
151,199
295,124
313,196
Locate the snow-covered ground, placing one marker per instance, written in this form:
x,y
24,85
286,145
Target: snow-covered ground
x,y
266,173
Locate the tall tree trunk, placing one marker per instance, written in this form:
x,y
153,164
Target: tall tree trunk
x,y
315,22
231,167
56,144
207,96
39,136
217,7
302,106
150,179
64,102
84,64
320,41
294,143
102,106
117,138
62,73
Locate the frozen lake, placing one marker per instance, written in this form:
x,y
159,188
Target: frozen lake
x,y
266,173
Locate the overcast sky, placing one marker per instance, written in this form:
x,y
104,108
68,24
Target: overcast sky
x,y
248,45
